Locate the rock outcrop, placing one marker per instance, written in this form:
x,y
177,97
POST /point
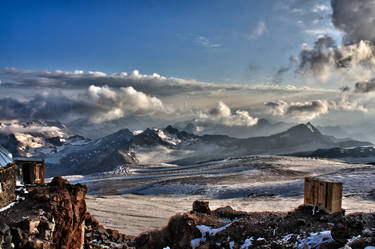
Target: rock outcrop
x,y
226,228
96,236
55,216
50,216
7,185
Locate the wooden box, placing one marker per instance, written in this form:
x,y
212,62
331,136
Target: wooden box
x,y
323,193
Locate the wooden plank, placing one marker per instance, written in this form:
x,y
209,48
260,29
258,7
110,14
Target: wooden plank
x,y
322,193
307,191
326,194
336,197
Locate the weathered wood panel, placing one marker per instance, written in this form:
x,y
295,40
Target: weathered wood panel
x,y
323,193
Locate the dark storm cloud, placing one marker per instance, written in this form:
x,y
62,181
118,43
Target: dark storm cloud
x,y
355,18
98,104
355,56
150,84
345,89
284,69
316,59
326,57
309,110
154,84
315,106
365,87
51,106
299,110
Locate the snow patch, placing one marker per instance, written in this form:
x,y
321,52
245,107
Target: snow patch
x,y
248,242
315,239
204,231
11,204
308,125
354,238
137,132
166,137
231,244
7,207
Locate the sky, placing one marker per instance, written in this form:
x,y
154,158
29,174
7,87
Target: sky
x,y
218,40
227,62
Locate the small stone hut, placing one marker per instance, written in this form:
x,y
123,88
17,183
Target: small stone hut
x,y
30,170
7,178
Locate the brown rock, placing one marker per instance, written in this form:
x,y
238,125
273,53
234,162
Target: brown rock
x,y
347,227
201,207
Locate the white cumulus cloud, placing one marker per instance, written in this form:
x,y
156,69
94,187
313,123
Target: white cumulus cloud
x,y
119,103
223,115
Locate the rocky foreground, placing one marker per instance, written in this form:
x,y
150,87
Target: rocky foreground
x,y
55,216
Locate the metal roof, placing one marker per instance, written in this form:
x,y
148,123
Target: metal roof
x,y
28,159
5,157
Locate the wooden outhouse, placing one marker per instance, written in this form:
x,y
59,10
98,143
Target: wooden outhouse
x,y
323,193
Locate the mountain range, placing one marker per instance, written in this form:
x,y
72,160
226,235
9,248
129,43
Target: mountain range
x,y
262,128
69,154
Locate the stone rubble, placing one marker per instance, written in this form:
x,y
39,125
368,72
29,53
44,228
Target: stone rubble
x,y
55,216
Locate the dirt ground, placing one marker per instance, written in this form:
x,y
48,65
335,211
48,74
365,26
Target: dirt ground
x,y
133,214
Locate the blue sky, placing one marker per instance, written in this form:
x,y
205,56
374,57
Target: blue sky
x,y
204,40
227,62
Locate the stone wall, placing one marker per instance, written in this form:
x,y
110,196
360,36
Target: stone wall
x,y
7,185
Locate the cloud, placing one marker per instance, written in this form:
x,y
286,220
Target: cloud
x,y
297,10
205,42
355,18
259,30
300,110
101,97
326,57
348,101
309,110
354,59
345,89
43,106
284,69
153,84
320,8
321,31
223,115
117,104
365,86
14,126
98,104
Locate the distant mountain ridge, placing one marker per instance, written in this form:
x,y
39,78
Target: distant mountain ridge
x,y
77,155
23,138
338,152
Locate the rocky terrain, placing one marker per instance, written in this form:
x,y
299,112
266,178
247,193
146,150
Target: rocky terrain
x,y
224,227
55,216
